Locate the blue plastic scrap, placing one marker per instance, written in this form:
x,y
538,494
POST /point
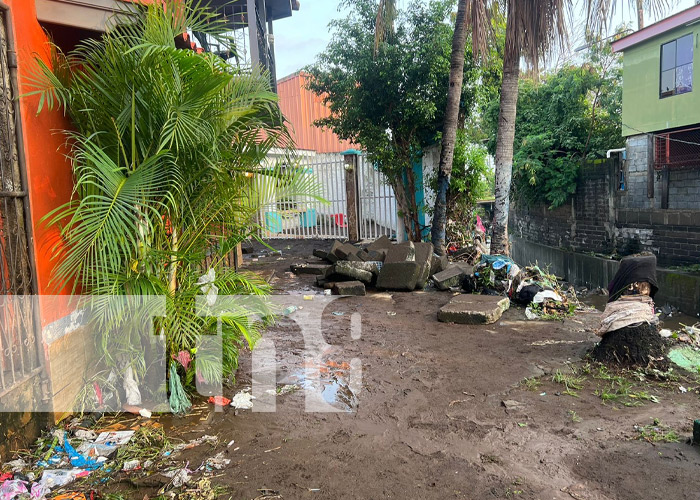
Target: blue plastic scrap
x,y
76,459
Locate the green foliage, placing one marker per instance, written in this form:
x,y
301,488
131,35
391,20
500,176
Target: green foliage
x,y
391,103
166,159
571,115
471,180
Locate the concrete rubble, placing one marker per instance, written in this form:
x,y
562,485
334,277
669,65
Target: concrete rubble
x,y
469,309
382,265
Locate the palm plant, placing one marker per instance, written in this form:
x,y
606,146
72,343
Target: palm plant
x,y
166,148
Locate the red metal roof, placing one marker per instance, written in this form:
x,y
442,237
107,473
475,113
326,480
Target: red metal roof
x,y
681,18
302,107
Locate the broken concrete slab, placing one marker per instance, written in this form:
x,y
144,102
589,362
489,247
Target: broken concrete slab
x,y
321,254
371,266
345,250
452,276
331,255
401,252
350,288
381,243
424,252
398,276
315,269
356,270
467,309
377,255
438,263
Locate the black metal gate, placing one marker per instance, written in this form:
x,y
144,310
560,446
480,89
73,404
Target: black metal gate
x,y
19,350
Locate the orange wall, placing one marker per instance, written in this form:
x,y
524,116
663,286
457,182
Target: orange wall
x,y
302,107
49,173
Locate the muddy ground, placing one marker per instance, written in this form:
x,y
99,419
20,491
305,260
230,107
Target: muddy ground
x,y
429,420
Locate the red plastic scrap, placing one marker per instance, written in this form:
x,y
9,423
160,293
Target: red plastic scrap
x,y
219,401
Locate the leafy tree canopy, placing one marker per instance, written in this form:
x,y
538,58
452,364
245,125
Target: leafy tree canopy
x,y
572,114
391,103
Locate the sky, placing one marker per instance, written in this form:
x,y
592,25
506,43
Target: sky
x,y
300,38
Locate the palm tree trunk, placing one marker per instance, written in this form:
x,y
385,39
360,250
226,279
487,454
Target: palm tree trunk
x,y
504,147
640,14
449,132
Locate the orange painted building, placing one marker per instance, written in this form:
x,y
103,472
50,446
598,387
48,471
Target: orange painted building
x,y
302,107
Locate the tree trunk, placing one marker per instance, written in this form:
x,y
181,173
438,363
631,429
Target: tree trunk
x,y
504,145
640,14
449,131
402,204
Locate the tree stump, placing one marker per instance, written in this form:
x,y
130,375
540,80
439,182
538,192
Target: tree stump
x,y
638,346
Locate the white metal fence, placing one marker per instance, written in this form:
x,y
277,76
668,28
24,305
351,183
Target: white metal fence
x,y
304,217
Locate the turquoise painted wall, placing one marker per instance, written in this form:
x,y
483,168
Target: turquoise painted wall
x,y
642,109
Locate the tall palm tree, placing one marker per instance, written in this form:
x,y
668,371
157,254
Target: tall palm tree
x,y
533,28
449,131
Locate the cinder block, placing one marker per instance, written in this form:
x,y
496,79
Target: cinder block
x,y
399,276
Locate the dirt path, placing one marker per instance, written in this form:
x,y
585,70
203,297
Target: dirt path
x,y
429,420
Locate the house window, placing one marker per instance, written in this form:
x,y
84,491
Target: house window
x,y
677,66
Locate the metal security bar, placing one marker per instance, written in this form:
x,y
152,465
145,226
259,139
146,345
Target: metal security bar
x,y
305,217
19,353
377,210
678,149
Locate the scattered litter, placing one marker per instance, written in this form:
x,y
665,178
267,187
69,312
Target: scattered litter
x,y
179,476
230,443
682,389
213,440
308,297
391,313
219,401
51,479
217,462
272,449
71,496
338,313
543,393
115,438
131,465
85,435
145,413
326,292
289,310
285,389
17,465
243,401
665,332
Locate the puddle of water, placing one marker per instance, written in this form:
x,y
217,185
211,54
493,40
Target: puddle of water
x,y
331,379
673,322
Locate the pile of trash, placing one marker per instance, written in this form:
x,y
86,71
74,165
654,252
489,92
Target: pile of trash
x,y
75,461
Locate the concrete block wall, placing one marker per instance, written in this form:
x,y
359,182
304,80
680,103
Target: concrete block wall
x,y
604,220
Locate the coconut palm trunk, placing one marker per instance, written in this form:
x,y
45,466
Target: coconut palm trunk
x,y
449,132
504,151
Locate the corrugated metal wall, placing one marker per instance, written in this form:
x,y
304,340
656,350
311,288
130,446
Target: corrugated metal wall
x,y
302,108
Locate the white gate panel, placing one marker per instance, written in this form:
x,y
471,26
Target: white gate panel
x,y
377,210
305,217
